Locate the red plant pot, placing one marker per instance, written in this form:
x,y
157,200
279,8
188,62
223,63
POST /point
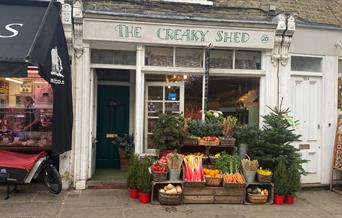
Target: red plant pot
x,y
144,197
289,199
279,199
134,193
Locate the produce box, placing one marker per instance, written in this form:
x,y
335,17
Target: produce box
x,y
262,186
158,185
213,195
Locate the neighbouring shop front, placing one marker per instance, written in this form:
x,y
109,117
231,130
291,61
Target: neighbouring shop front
x,y
139,70
35,81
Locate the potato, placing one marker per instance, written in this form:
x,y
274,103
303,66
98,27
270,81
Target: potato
x,y
179,189
162,190
170,186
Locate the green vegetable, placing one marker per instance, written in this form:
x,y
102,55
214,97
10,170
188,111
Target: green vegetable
x,y
228,163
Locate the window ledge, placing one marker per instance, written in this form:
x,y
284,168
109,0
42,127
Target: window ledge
x,y
200,2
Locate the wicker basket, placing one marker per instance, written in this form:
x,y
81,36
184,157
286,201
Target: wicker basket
x,y
170,199
158,176
264,179
213,181
257,198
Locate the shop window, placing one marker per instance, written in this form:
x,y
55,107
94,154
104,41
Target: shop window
x,y
250,60
221,59
113,57
188,57
26,110
159,56
340,85
113,75
308,64
193,97
235,96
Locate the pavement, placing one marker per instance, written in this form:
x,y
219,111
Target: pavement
x,y
38,203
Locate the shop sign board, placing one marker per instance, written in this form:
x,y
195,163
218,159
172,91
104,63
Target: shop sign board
x,y
139,32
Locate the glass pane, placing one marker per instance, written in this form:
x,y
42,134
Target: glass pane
x,y
309,64
149,141
193,97
159,56
155,93
113,57
172,93
340,94
188,57
172,107
235,96
151,124
155,108
340,67
248,60
221,59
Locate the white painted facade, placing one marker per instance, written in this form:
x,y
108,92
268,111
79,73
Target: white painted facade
x,y
276,84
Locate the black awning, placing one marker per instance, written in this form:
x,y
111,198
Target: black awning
x,y
31,33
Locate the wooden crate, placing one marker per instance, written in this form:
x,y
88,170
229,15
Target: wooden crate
x,y
214,195
268,186
158,185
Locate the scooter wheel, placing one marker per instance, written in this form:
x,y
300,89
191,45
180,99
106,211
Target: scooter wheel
x,y
52,179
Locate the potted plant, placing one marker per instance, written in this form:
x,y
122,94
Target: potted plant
x,y
280,180
125,145
168,133
132,175
229,125
174,163
144,181
246,136
293,182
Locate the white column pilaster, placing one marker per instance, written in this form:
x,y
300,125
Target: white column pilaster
x,y
139,102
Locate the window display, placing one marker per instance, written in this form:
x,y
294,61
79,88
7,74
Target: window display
x,y
26,110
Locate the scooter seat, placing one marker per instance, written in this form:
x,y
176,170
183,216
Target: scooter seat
x,y
18,160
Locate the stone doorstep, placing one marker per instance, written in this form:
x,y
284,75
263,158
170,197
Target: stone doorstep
x,y
98,184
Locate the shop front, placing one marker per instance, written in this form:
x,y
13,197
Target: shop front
x,y
35,81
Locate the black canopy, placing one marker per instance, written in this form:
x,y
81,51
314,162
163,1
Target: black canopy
x,y
31,33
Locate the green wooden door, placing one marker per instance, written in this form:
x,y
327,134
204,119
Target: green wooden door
x,y
112,118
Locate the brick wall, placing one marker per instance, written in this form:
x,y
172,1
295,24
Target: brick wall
x,y
320,11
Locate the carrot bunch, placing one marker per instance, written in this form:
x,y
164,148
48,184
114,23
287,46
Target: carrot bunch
x,y
235,178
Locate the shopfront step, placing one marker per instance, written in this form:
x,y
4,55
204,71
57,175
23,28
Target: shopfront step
x,y
98,184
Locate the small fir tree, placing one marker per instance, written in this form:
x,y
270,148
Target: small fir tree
x,y
144,181
132,173
294,178
280,178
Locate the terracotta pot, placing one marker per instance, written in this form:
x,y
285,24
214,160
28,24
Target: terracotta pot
x,y
279,199
289,199
144,197
134,193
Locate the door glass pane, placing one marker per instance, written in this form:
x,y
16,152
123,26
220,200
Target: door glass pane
x,y
172,107
248,60
155,93
155,108
221,59
172,93
159,56
310,64
188,57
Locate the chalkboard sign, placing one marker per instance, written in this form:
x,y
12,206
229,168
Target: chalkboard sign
x,y
338,145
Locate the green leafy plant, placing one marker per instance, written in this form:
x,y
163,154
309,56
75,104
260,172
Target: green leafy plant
x,y
208,127
133,169
228,163
294,178
247,134
280,178
229,126
169,131
125,142
276,140
144,181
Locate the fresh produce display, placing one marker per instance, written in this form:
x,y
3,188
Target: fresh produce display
x,y
198,154
174,161
210,139
264,172
162,160
235,178
216,155
193,171
171,189
257,191
158,168
249,165
211,172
